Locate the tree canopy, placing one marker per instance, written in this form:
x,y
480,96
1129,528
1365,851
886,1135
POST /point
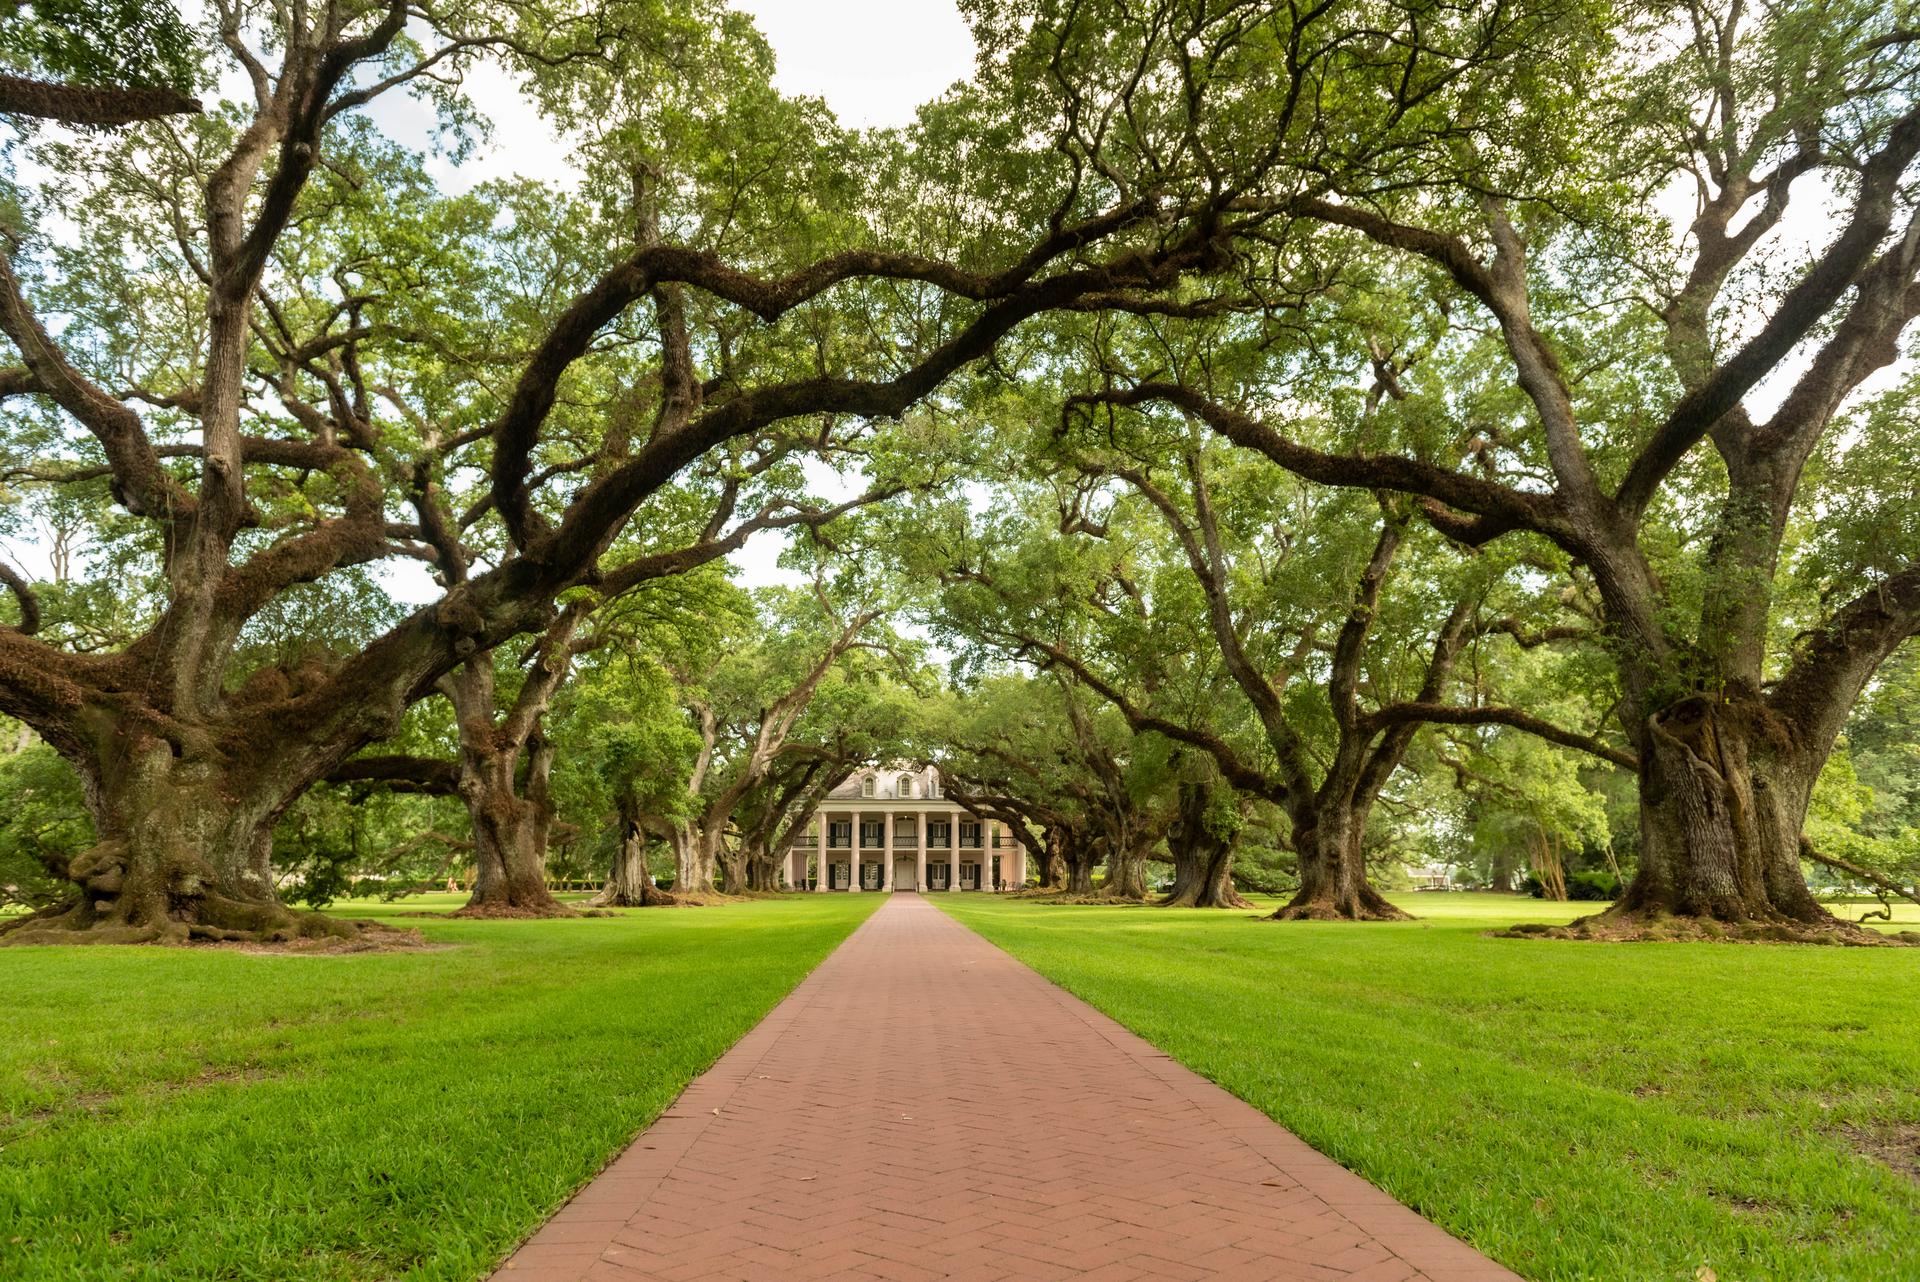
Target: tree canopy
x,y
1344,435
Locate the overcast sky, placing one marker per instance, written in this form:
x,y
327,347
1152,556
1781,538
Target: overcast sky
x,y
873,61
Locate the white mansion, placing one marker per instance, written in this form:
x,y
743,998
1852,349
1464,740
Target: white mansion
x,y
910,838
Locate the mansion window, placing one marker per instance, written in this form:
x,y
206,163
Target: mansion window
x,y
939,832
840,832
970,833
905,787
872,832
866,786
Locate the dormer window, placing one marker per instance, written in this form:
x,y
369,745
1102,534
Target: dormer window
x,y
906,786
866,786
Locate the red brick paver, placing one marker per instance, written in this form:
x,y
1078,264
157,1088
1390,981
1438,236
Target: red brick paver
x,y
923,1106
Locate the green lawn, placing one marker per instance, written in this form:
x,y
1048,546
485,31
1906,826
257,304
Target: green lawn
x,y
173,1114
1575,1110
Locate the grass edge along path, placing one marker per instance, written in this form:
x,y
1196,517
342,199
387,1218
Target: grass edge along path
x,y
176,1114
1574,1110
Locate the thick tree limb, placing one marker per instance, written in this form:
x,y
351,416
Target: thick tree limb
x,y
1014,293
140,484
97,105
1486,499
1450,715
1802,308
401,773
1832,666
24,594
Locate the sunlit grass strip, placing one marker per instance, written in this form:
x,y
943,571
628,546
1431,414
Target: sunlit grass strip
x,y
177,1114
1575,1110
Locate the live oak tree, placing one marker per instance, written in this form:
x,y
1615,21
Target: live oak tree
x,y
626,747
744,705
1669,401
1065,775
859,714
1204,836
1338,626
278,338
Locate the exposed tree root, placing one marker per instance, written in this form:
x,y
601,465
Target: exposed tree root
x,y
1327,910
1362,903
210,919
514,912
1620,925
650,896
1201,897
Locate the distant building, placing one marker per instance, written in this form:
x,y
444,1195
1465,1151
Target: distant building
x,y
910,838
1432,877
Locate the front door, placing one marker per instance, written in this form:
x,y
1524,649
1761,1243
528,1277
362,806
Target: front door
x,y
903,875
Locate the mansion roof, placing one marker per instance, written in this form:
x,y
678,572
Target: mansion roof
x,y
892,783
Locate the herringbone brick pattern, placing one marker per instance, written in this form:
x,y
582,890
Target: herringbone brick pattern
x,y
923,1106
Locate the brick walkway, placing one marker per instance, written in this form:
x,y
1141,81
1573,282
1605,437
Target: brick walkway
x,y
923,1106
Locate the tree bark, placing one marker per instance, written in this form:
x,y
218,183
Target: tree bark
x,y
629,881
509,829
1126,871
1202,858
1723,797
183,854
1077,860
733,871
694,860
1333,876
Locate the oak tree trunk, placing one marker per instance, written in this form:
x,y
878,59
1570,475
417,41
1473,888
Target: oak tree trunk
x,y
1203,876
1079,864
1126,872
509,829
1333,875
1723,796
183,854
733,872
694,860
629,882
1202,857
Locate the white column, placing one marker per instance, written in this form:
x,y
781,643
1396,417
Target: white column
x,y
986,856
786,867
1019,866
953,851
920,863
820,849
854,838
886,858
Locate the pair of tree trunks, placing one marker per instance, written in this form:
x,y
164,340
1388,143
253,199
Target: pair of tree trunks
x,y
630,883
1202,856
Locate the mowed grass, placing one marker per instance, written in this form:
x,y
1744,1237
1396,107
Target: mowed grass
x,y
174,1114
1574,1110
